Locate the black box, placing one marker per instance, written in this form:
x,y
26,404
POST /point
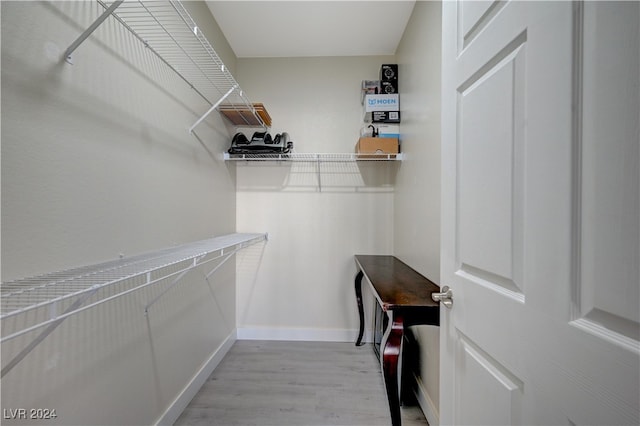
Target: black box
x,y
388,87
385,116
389,72
389,78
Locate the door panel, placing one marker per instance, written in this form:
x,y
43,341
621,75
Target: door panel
x,y
488,392
541,213
610,224
490,168
474,16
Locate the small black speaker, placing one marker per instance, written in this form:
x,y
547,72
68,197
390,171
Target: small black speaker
x,y
389,78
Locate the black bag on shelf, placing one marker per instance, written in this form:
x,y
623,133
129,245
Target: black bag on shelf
x,y
261,143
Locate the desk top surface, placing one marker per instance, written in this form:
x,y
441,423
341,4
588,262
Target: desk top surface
x,y
397,285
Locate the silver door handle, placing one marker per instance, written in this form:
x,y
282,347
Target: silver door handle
x,y
445,297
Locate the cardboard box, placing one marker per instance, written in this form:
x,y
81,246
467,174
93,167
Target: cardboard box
x,y
369,145
385,117
388,130
382,102
369,87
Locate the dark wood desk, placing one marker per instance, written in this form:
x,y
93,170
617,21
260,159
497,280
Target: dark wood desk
x,y
405,296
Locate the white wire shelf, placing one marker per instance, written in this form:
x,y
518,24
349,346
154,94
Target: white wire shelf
x,y
47,299
311,157
167,30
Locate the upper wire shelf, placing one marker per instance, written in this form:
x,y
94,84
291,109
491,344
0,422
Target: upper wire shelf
x,y
167,30
314,157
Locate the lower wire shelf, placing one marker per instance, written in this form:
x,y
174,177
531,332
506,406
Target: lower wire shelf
x,y
45,301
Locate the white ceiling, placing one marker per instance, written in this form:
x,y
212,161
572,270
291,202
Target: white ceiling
x,y
312,28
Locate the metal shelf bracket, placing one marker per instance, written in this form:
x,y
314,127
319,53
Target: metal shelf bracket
x,y
90,30
213,107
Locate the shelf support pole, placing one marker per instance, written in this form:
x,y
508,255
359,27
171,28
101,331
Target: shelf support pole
x,y
318,172
31,346
226,95
90,30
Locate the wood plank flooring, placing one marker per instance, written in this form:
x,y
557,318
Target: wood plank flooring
x,y
295,383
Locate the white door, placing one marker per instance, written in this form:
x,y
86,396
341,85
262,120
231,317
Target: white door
x,y
540,213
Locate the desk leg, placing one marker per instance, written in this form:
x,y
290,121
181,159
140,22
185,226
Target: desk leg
x,y
358,284
391,355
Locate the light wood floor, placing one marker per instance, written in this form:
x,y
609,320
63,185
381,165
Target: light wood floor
x,y
295,383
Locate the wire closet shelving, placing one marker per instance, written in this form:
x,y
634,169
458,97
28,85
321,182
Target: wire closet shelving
x,y
314,157
44,301
342,164
167,30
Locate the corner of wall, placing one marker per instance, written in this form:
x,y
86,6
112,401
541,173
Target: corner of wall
x,y
417,195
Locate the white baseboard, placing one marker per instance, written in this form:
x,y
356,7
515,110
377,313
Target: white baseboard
x,y
301,334
426,404
178,405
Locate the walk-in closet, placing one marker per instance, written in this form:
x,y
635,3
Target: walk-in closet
x,y
319,212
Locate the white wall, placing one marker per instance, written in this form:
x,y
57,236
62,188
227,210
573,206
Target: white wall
x,y
417,195
304,288
97,161
94,150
